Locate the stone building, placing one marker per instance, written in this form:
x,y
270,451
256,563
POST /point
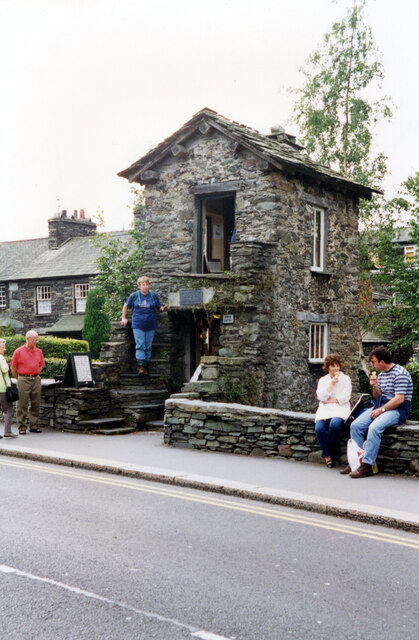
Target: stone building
x,y
255,246
44,282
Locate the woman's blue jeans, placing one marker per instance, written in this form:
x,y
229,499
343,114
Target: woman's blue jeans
x,y
327,432
143,342
375,428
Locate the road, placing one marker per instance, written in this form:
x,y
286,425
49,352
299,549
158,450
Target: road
x,y
90,556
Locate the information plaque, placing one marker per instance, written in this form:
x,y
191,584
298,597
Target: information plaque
x,y
78,370
190,297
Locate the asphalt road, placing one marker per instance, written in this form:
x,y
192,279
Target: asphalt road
x,y
89,556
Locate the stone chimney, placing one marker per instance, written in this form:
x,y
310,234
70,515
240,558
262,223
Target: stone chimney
x,y
62,228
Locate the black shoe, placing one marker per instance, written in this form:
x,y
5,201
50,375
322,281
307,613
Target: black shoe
x,y
35,430
363,471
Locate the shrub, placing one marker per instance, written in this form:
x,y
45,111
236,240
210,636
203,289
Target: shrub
x,y
51,347
6,331
54,367
96,328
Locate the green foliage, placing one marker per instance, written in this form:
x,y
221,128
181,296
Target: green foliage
x,y
54,368
413,369
51,347
96,327
333,110
120,264
395,280
241,390
6,331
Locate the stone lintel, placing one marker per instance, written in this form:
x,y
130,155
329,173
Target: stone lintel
x,y
217,187
309,316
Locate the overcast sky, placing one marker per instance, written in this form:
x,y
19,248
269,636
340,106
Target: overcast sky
x,y
88,86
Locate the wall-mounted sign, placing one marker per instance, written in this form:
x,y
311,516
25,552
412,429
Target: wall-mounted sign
x,y
228,318
78,370
189,297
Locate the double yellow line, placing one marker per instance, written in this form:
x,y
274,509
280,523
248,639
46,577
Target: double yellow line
x,y
325,522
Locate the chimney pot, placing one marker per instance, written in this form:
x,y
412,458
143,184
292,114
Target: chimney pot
x,y
64,213
82,213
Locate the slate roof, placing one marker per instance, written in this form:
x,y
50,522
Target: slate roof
x,y
67,323
283,153
32,260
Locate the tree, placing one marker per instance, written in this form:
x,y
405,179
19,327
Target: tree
x,y
96,327
335,115
395,278
120,263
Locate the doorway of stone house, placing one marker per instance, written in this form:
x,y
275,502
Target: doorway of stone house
x,y
216,230
201,337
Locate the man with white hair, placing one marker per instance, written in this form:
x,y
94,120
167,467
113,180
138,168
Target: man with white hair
x,y
26,364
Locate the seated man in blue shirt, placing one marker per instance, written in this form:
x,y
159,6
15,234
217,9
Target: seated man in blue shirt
x,y
392,392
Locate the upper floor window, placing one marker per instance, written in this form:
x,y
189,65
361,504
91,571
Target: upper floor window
x,y
2,297
409,252
318,342
318,239
43,300
80,297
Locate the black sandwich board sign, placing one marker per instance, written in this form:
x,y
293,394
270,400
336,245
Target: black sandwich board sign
x,y
78,370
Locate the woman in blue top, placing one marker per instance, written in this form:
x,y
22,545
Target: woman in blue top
x,y
144,322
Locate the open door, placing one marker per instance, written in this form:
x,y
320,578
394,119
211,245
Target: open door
x,y
217,226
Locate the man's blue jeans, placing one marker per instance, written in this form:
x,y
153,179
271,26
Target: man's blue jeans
x,y
143,342
327,437
375,428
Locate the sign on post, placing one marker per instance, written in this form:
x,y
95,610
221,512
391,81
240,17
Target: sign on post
x,y
78,371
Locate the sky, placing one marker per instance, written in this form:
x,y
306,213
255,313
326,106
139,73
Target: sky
x,y
89,86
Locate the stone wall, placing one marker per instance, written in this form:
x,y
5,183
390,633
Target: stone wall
x,y
274,293
235,428
65,408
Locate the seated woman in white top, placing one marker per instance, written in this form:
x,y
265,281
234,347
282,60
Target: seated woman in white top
x,y
334,393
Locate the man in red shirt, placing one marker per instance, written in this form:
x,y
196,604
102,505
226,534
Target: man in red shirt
x,y
26,365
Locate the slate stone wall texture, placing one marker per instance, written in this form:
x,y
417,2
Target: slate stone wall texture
x,y
272,290
235,428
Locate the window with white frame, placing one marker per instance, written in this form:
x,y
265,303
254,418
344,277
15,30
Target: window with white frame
x,y
409,252
43,300
318,239
2,297
80,297
318,342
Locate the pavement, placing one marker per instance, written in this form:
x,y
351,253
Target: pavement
x,y
388,500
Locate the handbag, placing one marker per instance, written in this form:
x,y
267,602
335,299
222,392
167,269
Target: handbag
x,y
12,394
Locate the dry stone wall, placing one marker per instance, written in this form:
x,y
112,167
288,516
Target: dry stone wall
x,y
256,431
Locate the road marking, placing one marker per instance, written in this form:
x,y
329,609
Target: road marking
x,y
198,633
136,485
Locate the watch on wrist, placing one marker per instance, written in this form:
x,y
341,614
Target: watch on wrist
x,y
382,409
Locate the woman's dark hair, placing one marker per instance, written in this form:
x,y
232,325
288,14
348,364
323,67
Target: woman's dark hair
x,y
332,358
381,353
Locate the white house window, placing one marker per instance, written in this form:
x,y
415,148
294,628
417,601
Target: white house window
x,y
2,297
318,342
80,297
43,300
409,253
318,238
